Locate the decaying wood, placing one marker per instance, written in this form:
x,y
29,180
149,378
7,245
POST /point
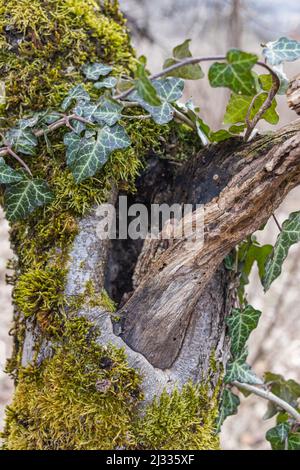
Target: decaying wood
x,y
293,94
159,312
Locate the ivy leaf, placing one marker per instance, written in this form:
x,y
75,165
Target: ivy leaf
x,y
145,87
109,82
187,72
239,371
168,90
86,156
278,435
78,93
289,235
241,323
294,441
96,70
220,135
249,254
106,111
236,74
282,50
29,122
9,175
288,390
229,406
22,198
23,141
238,105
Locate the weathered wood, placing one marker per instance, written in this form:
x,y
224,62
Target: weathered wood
x,y
159,312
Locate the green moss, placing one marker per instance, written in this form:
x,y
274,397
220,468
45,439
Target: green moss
x,y
43,45
82,398
86,397
182,420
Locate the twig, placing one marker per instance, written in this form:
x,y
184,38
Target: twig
x,y
19,159
267,395
183,118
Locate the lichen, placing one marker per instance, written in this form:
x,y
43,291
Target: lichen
x,y
84,396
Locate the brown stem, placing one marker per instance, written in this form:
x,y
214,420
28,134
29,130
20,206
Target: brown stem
x,y
19,159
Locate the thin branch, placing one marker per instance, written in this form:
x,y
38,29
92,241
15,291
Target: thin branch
x,y
267,395
19,159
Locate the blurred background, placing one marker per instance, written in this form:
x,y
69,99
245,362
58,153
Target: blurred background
x,y
214,26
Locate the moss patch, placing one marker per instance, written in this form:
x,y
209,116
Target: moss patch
x,y
86,397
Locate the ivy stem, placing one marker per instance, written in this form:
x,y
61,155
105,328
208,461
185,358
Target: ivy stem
x,y
267,395
277,222
266,105
19,159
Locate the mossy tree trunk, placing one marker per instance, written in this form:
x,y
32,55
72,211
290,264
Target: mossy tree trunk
x,y
155,384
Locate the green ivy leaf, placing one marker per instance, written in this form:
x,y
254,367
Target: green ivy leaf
x,y
187,72
22,140
169,90
239,371
220,135
77,94
29,122
236,74
289,235
96,70
241,323
294,441
288,390
278,435
282,50
86,156
109,82
229,406
21,198
145,87
238,105
106,111
9,175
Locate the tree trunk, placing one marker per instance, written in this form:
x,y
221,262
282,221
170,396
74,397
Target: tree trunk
x,y
145,374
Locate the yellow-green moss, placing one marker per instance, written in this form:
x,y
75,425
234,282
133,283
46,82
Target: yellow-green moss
x,y
86,397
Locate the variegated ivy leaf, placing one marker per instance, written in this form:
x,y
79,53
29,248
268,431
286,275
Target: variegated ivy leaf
x,y
22,198
278,436
106,111
188,72
282,50
241,323
239,371
22,140
289,235
169,90
294,441
30,122
9,175
77,94
229,406
87,155
236,74
96,70
238,106
109,82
